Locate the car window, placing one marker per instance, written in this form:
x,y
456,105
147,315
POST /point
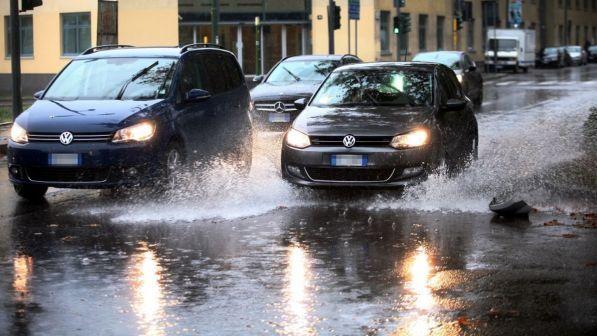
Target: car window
x,y
213,67
469,61
449,59
382,87
290,71
192,75
449,86
113,78
234,78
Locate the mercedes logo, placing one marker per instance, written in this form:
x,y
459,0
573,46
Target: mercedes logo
x,y
66,138
349,141
280,107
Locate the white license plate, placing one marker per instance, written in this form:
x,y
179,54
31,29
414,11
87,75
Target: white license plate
x,y
349,160
63,159
279,117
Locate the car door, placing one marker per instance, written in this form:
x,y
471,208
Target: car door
x,y
191,115
452,122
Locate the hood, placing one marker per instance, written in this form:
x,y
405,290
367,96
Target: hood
x,y
284,91
362,121
84,116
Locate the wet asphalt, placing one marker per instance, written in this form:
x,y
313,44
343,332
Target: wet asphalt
x,y
259,257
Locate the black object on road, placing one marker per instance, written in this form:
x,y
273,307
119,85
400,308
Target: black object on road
x,y
510,208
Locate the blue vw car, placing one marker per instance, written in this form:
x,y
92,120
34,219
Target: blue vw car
x,y
123,116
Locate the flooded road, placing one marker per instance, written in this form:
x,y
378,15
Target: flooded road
x,y
220,257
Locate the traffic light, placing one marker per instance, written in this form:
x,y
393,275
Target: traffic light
x,y
336,17
30,4
404,21
396,25
458,20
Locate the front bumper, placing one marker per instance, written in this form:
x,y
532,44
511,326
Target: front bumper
x,y
386,167
101,165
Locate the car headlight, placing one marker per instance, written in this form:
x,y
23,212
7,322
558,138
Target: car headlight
x,y
18,134
297,139
459,76
142,131
411,139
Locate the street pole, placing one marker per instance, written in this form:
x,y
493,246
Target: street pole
x,y
566,28
215,21
495,42
257,46
15,58
331,18
397,5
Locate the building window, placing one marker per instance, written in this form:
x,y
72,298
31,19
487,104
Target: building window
x,y
26,37
441,22
577,4
76,33
577,35
585,4
422,32
470,36
404,40
587,38
384,31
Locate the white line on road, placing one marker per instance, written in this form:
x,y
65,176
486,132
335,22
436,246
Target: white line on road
x,y
525,83
504,83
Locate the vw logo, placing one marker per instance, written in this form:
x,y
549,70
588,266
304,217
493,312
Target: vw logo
x,y
280,107
349,141
66,138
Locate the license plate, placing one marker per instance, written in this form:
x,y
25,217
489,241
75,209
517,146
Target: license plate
x,y
64,159
349,160
279,117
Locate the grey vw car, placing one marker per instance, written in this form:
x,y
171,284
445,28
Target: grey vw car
x,y
380,125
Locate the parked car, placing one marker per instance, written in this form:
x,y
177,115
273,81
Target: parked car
x,y
463,66
577,54
551,57
567,58
380,125
510,48
120,116
292,78
592,57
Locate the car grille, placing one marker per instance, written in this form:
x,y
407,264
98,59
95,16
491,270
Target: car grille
x,y
361,141
67,175
349,174
271,106
77,137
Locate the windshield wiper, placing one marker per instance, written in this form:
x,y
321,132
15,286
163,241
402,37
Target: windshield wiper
x,y
296,78
136,76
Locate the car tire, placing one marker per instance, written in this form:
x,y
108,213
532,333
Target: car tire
x,y
31,192
172,162
244,156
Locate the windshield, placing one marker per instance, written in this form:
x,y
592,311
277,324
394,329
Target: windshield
x,y
573,49
503,44
377,88
113,78
451,60
296,71
551,51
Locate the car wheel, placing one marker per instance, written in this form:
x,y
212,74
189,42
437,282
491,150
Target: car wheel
x,y
172,162
244,156
31,192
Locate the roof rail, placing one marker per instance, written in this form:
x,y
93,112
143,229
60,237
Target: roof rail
x,y
105,47
199,45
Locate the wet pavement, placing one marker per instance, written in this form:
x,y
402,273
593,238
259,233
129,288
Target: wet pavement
x,y
218,256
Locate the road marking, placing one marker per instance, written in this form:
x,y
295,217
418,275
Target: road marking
x,y
548,83
525,83
504,83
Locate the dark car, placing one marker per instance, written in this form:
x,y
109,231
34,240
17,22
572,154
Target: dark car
x,y
120,116
592,54
291,79
380,125
551,57
463,66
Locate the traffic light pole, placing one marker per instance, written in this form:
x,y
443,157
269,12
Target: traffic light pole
x,y
331,18
15,58
397,4
215,21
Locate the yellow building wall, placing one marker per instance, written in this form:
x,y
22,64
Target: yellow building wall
x,y
47,58
148,22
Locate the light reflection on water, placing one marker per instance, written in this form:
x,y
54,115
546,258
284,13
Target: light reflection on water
x,y
148,302
418,269
296,294
23,269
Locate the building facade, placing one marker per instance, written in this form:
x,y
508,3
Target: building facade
x,y
53,33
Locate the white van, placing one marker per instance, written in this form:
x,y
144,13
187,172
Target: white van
x,y
515,49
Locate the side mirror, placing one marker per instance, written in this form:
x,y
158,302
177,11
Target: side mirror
x,y
258,79
197,95
454,104
472,68
39,94
300,103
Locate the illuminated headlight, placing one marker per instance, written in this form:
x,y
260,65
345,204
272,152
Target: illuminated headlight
x,y
459,76
142,131
412,139
18,134
297,139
